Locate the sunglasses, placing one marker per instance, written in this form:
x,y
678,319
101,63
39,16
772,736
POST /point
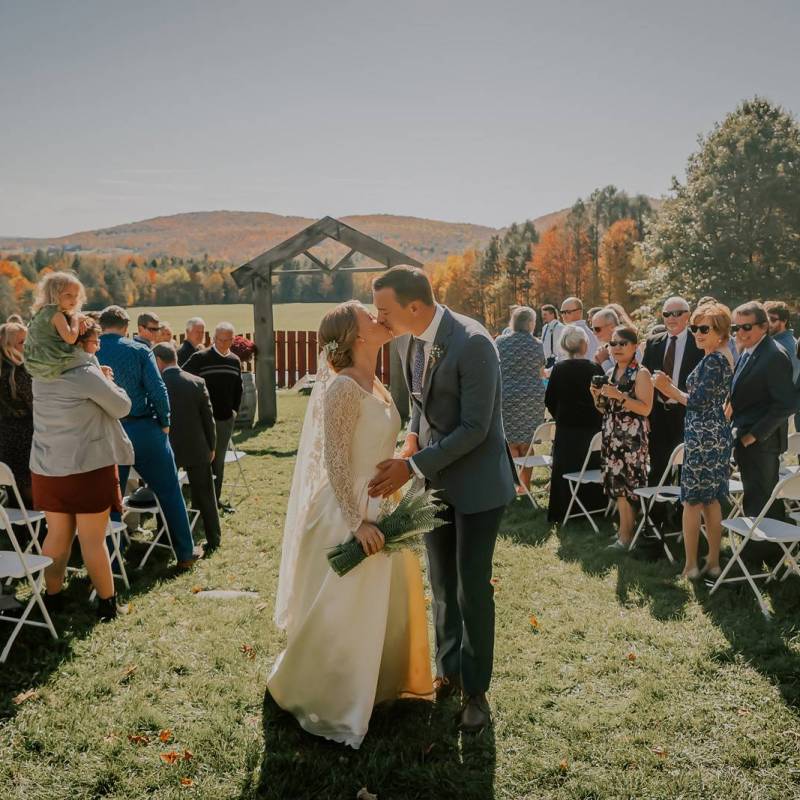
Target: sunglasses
x,y
619,343
745,326
676,314
700,328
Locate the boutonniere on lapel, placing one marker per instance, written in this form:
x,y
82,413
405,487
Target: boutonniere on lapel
x,y
437,351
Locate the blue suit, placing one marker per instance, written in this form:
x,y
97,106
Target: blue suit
x,y
136,372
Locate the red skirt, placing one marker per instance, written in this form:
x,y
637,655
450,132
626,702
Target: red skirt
x,y
83,493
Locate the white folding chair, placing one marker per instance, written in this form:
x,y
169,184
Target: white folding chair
x,y
161,534
18,564
32,520
764,529
234,456
793,449
194,514
663,492
544,433
584,477
114,533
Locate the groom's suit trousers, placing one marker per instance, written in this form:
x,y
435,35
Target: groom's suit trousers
x,y
460,571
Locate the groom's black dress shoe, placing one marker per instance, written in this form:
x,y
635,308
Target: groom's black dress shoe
x,y
475,715
445,686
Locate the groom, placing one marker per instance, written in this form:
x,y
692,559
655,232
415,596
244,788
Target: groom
x,y
455,443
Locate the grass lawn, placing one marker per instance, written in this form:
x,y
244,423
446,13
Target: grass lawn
x,y
288,316
628,685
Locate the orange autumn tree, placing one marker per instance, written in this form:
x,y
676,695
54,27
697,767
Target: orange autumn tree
x,y
456,282
21,287
561,265
617,251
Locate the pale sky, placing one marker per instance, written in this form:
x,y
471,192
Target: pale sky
x,y
482,112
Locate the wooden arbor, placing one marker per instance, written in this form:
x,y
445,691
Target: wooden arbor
x,y
259,272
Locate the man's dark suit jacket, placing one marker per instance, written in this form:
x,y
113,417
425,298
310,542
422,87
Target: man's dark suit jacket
x,y
763,395
185,352
192,432
656,347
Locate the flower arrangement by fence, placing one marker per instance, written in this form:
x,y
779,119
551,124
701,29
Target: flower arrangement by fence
x,y
244,348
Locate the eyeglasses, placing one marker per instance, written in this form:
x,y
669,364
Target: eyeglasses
x,y
619,343
745,326
570,310
701,328
153,330
676,314
598,328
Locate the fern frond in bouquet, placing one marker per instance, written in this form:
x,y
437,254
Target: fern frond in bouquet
x,y
415,514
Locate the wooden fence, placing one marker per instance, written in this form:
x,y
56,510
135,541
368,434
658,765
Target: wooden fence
x,y
296,356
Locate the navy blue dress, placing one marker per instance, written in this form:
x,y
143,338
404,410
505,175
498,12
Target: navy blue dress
x,y
708,444
521,364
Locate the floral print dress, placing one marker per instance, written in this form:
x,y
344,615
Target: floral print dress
x,y
706,459
624,452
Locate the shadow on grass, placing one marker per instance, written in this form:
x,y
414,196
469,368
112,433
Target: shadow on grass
x,y
35,654
411,746
764,644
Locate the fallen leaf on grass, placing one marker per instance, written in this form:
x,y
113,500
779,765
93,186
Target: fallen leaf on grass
x,y
494,581
534,622
128,671
660,751
261,607
111,737
631,656
138,738
23,697
170,757
165,735
188,755
186,781
248,650
363,794
197,589
563,765
743,712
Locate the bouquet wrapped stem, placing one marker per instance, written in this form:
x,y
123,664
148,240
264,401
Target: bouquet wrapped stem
x,y
415,514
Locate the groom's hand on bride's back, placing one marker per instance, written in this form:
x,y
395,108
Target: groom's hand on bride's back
x,y
391,475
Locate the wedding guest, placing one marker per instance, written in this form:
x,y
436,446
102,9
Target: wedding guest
x,y
15,318
521,369
781,333
603,323
221,369
77,444
148,327
625,402
147,425
193,437
762,399
572,314
622,314
708,444
164,333
577,420
16,407
552,329
675,353
590,314
195,338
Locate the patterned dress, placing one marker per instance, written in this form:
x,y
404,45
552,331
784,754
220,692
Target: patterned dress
x,y
521,364
624,453
16,421
707,455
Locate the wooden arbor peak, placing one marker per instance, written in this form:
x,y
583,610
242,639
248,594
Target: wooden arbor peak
x,y
259,272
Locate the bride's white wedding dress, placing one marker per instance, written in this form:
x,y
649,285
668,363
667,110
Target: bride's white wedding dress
x,y
360,639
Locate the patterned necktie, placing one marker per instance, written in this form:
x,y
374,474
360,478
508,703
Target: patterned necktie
x,y
668,366
418,369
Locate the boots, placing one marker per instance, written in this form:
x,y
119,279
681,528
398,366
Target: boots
x,y
107,609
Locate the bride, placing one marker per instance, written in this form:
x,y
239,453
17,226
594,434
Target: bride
x,y
357,640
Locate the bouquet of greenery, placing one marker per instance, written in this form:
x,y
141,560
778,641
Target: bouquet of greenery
x,y
415,514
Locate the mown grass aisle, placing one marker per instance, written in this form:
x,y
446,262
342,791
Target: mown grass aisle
x,y
611,681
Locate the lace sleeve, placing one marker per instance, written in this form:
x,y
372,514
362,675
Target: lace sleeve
x,y
341,412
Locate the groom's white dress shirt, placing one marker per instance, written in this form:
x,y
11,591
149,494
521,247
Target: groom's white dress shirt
x,y
426,339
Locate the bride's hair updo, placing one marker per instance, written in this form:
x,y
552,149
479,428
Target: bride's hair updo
x,y
338,332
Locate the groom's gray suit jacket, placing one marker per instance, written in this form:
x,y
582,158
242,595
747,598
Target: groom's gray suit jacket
x,y
459,423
